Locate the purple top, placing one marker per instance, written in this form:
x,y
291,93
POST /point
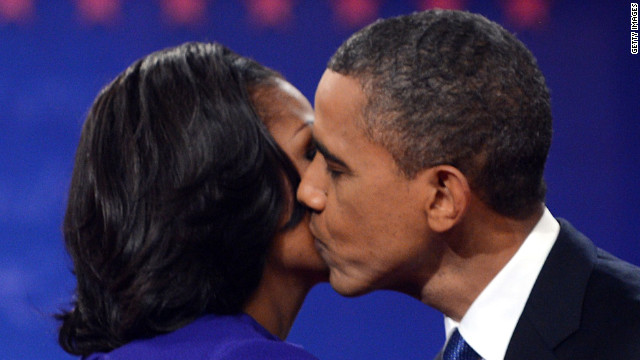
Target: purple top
x,y
210,337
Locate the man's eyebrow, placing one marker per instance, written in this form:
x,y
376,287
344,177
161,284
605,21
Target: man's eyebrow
x,y
327,154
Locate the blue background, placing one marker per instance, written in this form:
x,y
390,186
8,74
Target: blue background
x,y
53,65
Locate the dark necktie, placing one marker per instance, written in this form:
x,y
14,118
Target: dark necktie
x,y
458,349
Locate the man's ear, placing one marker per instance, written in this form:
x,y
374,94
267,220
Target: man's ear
x,y
448,197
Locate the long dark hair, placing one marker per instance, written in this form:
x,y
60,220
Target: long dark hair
x,y
177,190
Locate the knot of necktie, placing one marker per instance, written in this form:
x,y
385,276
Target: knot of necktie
x,y
458,349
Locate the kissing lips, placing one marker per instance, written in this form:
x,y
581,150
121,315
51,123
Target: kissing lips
x,y
319,244
322,249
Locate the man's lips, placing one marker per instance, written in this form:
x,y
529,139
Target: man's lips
x,y
323,251
319,244
314,232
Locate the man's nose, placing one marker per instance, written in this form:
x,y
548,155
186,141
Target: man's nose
x,y
311,191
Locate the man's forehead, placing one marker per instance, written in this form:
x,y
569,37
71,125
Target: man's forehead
x,y
339,105
332,83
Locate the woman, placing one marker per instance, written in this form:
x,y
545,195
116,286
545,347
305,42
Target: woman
x,y
182,224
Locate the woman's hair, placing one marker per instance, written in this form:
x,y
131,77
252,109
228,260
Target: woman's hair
x,y
177,191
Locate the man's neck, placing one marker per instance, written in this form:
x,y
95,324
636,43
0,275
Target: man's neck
x,y
474,254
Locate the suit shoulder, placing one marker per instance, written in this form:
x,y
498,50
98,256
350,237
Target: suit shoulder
x,y
610,321
612,274
613,294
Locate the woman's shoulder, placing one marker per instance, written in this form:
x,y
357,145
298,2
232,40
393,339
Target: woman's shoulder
x,y
264,349
259,345
213,337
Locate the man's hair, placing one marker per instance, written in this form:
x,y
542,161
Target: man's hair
x,y
451,87
177,191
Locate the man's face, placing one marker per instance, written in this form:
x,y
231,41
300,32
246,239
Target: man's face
x,y
369,220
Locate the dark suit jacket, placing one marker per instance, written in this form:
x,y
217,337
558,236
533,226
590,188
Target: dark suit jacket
x,y
585,304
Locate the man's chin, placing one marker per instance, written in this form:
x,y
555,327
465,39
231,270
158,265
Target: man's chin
x,y
346,287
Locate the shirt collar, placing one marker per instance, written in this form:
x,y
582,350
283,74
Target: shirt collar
x,y
489,323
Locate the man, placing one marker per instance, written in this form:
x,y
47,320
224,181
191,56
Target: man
x,y
432,132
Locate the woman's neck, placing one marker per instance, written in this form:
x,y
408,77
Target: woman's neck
x,y
278,298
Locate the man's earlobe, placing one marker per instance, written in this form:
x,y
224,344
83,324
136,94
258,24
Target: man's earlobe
x,y
449,197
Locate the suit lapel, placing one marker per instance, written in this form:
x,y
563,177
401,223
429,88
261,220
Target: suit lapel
x,y
527,343
554,307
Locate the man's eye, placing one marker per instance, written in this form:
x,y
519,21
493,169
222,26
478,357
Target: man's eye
x,y
334,173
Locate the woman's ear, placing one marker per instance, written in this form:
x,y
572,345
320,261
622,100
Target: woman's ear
x,y
448,197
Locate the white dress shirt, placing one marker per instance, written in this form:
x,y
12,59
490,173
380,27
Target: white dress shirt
x,y
489,323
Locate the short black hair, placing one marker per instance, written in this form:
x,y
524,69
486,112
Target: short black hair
x,y
451,87
178,189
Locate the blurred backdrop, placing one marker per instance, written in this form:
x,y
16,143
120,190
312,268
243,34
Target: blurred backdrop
x,y
55,55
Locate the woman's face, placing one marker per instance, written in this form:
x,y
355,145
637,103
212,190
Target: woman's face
x,y
288,116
